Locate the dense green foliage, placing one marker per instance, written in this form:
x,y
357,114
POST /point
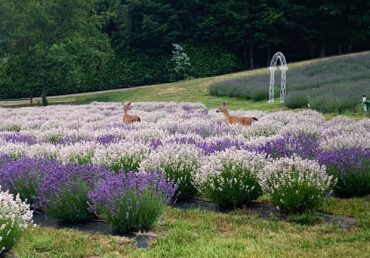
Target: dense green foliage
x,y
328,85
59,47
50,46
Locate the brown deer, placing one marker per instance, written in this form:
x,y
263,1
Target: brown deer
x,y
235,119
128,119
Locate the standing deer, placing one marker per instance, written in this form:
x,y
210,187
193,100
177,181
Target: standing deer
x,y
235,119
127,119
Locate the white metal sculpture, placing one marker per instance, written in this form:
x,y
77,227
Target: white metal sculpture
x,y
283,68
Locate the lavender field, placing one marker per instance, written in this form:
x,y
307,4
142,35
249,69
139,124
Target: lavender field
x,y
94,133
75,163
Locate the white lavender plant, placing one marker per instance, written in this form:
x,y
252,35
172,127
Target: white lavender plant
x,y
15,217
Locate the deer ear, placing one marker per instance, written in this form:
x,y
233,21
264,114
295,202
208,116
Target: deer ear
x,y
225,103
128,104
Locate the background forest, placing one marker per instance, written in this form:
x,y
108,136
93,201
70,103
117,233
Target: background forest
x,y
68,46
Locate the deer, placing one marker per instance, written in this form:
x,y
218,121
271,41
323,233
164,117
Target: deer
x,y
241,120
128,119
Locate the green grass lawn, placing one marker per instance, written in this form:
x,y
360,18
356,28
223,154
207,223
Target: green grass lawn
x,y
197,233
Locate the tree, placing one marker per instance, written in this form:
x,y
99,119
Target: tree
x,y
146,24
32,30
181,61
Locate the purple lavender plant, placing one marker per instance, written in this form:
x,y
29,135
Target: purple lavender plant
x,y
64,193
155,143
24,177
351,167
108,139
131,201
221,145
19,138
302,145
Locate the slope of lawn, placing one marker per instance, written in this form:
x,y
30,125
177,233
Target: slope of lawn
x,y
333,84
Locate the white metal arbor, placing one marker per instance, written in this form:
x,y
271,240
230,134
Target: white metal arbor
x,y
283,68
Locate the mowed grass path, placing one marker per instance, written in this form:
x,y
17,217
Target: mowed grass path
x,y
196,233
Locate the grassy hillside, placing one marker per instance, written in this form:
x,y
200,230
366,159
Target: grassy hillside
x,y
333,84
196,90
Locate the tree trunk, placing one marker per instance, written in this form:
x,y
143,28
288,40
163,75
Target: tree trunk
x,y
43,96
245,58
339,49
349,49
322,50
312,50
251,55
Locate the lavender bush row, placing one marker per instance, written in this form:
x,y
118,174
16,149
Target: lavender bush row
x,y
64,191
230,178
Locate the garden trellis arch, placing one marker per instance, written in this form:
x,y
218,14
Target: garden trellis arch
x,y
283,68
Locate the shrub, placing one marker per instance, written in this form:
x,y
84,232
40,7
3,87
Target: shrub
x,y
24,177
229,178
296,185
122,156
131,201
15,217
351,168
178,162
64,193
